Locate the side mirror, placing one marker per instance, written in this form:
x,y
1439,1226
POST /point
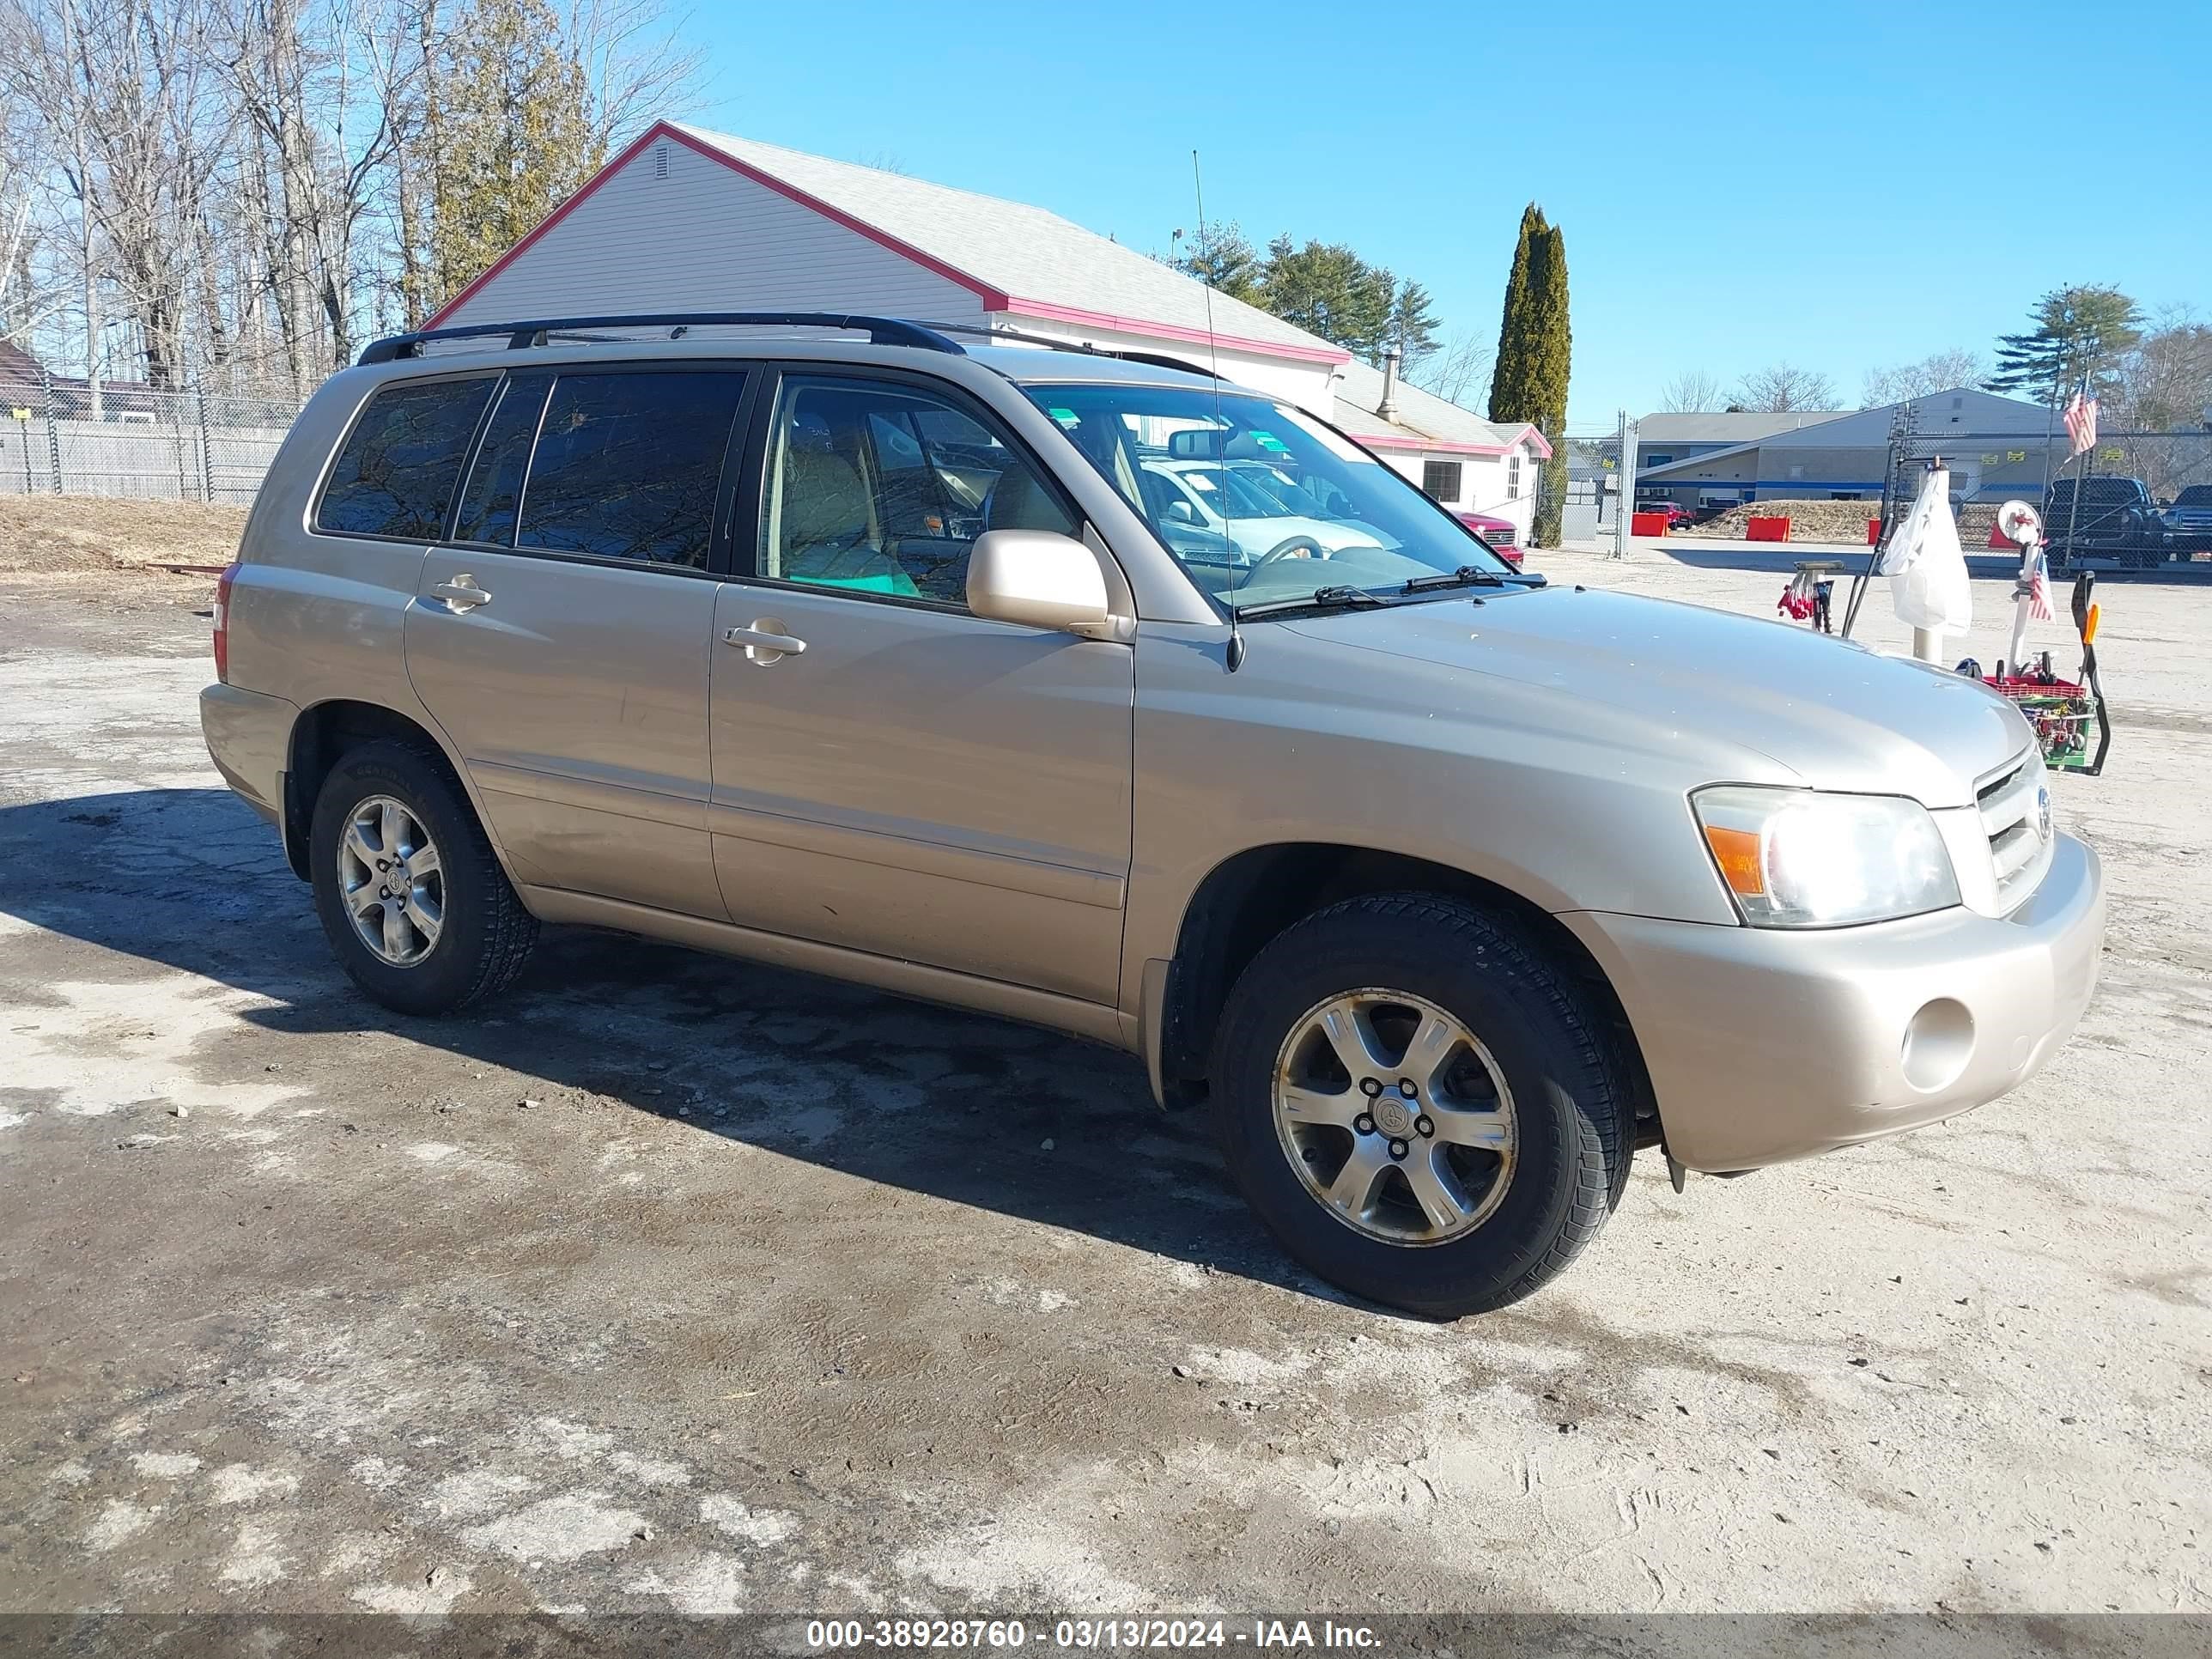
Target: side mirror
x,y
1037,578
1182,512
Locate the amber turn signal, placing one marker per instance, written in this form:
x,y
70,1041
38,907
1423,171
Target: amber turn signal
x,y
1736,851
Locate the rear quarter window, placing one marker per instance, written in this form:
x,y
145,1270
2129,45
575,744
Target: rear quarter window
x,y
396,474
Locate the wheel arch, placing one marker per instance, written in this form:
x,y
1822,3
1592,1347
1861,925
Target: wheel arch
x,y
1251,898
321,736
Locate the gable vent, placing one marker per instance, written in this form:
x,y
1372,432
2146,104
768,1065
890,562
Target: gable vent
x,y
660,161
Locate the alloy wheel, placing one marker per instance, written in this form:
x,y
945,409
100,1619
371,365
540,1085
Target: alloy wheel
x,y
1396,1116
391,881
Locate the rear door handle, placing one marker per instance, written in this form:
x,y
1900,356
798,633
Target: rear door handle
x,y
462,594
763,642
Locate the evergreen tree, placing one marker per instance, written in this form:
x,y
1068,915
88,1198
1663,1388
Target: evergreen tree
x,y
1413,326
1222,258
1327,289
2079,333
1508,373
1535,345
511,124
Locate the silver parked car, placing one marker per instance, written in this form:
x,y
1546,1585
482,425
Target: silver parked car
x,y
1442,889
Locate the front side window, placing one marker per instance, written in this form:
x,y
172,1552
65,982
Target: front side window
x,y
396,474
627,465
878,487
1257,500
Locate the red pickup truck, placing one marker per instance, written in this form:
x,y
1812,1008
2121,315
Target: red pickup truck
x,y
1501,534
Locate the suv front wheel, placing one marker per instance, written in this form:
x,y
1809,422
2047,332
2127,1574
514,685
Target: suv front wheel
x,y
1418,1105
410,895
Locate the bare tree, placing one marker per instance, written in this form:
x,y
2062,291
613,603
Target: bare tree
x,y
1694,391
1939,371
1781,388
635,64
1459,373
126,93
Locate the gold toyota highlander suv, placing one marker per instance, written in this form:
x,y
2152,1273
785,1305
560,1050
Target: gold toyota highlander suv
x,y
839,643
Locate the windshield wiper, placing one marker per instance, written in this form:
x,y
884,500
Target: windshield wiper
x,y
1468,575
1338,598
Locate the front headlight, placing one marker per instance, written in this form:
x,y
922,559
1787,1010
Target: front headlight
x,y
1795,858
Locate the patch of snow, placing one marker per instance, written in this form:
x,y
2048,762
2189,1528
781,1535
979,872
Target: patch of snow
x,y
563,1529
762,1527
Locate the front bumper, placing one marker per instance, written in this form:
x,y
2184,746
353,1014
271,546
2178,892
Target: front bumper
x,y
1765,1045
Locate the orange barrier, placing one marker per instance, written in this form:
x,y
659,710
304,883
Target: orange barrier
x,y
1766,530
1647,524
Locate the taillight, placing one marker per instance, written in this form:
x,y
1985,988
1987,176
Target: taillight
x,y
222,622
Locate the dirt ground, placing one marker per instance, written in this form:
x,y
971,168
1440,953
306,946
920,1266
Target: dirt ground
x,y
669,1284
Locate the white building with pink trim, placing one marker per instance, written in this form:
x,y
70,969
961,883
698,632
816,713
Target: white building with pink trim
x,y
688,220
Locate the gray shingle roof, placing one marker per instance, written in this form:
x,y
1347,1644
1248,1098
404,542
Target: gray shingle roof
x,y
1739,427
1420,414
1023,252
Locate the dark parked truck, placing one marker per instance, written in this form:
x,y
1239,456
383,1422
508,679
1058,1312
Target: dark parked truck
x,y
2188,521
2115,520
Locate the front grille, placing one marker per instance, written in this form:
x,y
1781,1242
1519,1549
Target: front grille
x,y
2010,803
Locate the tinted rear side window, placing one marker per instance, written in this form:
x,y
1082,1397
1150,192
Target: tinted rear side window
x,y
495,489
396,473
628,465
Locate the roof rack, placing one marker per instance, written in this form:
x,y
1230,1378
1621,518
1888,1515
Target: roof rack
x,y
1156,359
522,336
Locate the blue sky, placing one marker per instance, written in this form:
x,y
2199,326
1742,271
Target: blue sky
x,y
1842,185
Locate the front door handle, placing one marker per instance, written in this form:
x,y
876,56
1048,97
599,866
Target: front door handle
x,y
462,594
765,641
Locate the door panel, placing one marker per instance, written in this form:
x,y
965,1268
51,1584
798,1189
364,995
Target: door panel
x,y
924,785
576,694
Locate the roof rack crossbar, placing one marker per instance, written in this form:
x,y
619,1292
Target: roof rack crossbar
x,y
523,336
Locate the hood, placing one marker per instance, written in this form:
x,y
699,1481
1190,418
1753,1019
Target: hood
x,y
1722,690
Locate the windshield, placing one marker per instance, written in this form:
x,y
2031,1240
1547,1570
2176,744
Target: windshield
x,y
1257,500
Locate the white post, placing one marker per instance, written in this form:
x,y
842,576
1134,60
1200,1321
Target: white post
x,y
1927,645
2017,656
1626,505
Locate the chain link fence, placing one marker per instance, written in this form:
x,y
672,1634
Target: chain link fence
x,y
57,438
2139,500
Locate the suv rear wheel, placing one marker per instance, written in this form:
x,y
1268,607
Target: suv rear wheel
x,y
1418,1106
410,895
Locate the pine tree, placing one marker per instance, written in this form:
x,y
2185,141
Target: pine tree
x,y
1220,257
1327,289
1413,326
514,134
1535,349
2079,333
1508,373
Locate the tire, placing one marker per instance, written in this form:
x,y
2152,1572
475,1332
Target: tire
x,y
482,934
1557,1077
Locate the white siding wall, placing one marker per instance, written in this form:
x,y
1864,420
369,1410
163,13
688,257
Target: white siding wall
x,y
707,239
1482,483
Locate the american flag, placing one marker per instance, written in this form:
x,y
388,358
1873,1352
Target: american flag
x,y
2039,590
2081,423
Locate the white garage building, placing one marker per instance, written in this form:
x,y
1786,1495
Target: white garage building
x,y
688,220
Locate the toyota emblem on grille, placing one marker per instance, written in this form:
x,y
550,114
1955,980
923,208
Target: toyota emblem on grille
x,y
2043,813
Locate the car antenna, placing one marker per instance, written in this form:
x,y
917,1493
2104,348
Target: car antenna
x,y
1236,652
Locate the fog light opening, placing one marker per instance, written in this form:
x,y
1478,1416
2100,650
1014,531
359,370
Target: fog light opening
x,y
1937,1045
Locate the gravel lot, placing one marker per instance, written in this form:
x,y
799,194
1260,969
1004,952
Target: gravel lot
x,y
670,1283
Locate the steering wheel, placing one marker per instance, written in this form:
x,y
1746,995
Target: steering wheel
x,y
1297,547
